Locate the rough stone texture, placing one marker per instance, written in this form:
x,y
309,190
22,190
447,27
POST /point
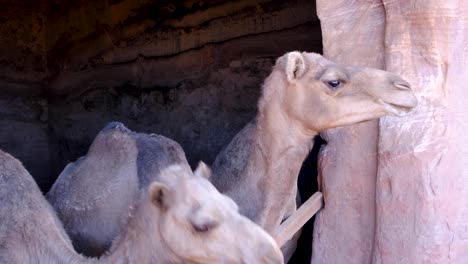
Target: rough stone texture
x,y
190,70
422,184
353,33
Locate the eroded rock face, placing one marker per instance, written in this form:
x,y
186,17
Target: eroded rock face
x,y
190,70
422,183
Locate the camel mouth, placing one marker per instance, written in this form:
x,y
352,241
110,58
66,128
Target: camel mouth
x,y
397,109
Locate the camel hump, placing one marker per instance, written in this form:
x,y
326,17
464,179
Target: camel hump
x,y
155,153
110,159
116,126
120,163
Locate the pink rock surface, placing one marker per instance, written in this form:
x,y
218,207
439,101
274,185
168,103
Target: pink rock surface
x,y
353,33
422,184
420,210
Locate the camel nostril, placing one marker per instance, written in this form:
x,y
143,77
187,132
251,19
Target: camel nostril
x,y
402,85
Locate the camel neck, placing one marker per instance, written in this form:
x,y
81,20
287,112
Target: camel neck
x,y
59,250
48,243
137,243
279,149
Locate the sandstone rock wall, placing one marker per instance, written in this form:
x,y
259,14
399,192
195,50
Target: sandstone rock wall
x,y
190,70
421,183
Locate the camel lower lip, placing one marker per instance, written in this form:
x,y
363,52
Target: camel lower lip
x,y
402,108
397,110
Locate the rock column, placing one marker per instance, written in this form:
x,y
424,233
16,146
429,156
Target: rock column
x,y
353,33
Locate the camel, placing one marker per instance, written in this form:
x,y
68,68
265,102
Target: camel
x,y
304,95
96,196
185,221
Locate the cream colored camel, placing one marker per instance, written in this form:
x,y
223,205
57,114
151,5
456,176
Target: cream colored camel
x,y
304,94
186,221
95,197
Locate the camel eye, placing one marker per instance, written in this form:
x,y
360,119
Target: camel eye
x,y
205,227
334,84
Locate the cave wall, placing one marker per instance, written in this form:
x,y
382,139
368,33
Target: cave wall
x,y
189,70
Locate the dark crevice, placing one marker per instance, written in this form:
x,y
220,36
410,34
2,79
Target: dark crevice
x,y
308,185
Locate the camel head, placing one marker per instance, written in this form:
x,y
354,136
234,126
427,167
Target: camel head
x,y
320,94
201,225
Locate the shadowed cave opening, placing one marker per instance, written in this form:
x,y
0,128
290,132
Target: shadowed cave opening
x,y
189,70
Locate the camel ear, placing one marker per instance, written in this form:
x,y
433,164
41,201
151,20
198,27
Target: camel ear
x,y
203,170
295,65
160,195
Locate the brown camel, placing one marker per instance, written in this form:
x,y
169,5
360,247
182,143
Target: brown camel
x,y
304,94
96,198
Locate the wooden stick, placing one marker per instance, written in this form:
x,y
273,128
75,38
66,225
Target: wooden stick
x,y
295,222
